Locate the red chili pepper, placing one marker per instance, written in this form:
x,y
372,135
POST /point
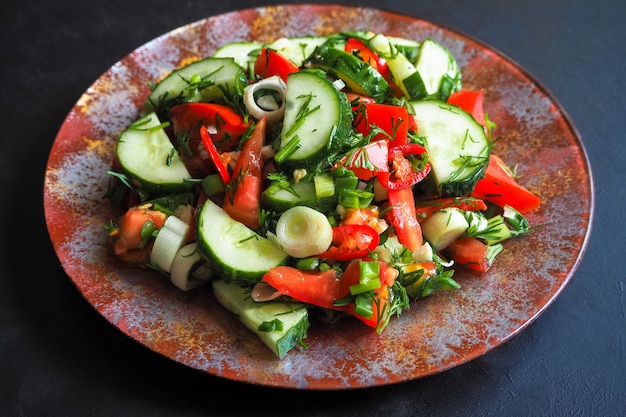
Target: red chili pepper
x,y
214,154
351,242
403,174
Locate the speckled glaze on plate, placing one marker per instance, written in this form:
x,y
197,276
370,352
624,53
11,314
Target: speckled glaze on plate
x,y
437,334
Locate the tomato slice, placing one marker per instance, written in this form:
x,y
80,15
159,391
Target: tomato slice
x,y
269,63
352,241
368,161
471,101
471,253
402,216
501,188
321,289
243,195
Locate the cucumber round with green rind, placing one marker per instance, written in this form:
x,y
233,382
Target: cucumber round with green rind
x,y
293,317
231,249
298,194
359,76
438,69
317,115
205,80
457,146
149,159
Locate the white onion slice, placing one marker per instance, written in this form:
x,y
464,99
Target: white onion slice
x,y
271,109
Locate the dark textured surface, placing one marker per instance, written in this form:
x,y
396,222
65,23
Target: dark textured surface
x,y
59,357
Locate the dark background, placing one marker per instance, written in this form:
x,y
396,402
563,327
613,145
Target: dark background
x,y
58,357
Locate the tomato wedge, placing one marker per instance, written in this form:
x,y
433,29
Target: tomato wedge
x,y
269,63
321,289
243,195
500,187
403,217
471,253
352,241
368,161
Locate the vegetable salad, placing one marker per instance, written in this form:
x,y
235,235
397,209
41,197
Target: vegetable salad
x,y
347,175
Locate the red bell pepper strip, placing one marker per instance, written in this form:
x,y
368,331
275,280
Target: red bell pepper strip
x,y
471,101
321,289
365,54
403,174
243,193
214,154
393,120
352,241
269,63
402,216
500,187
426,208
229,125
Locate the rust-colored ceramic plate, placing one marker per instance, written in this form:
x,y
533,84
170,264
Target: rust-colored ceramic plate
x,y
438,333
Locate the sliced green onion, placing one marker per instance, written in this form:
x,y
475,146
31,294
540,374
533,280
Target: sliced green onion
x,y
355,198
302,232
363,306
369,278
324,185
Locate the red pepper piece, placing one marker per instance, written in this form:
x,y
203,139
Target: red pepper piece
x,y
269,63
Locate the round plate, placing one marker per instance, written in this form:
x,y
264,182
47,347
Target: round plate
x,y
438,333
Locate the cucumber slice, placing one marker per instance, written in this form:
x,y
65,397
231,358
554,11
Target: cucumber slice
x,y
292,318
242,52
360,77
317,115
148,157
457,146
444,227
297,49
403,71
438,69
205,80
231,249
297,194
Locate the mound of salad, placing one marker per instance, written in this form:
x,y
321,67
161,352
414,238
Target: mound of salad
x,y
327,177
